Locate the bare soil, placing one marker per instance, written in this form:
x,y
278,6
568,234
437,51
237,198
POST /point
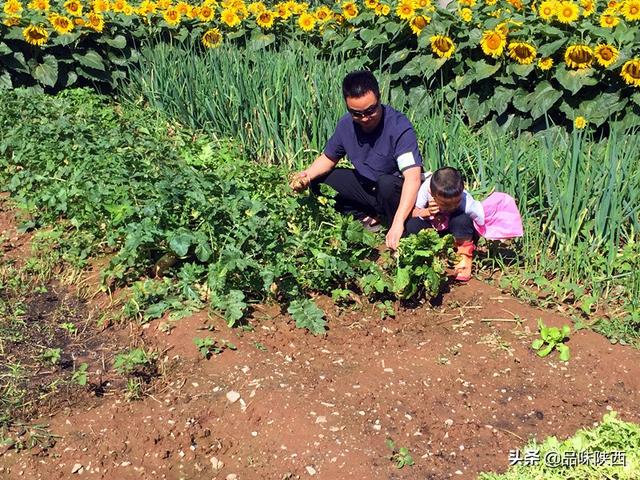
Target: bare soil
x,y
455,383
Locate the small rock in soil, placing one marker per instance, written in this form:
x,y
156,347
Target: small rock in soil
x,y
233,396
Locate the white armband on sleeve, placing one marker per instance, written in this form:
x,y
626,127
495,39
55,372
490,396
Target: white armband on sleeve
x,y
405,161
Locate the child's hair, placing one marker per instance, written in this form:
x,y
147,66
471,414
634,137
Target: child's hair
x,y
447,182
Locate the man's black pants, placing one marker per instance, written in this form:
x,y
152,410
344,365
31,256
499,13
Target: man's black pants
x,y
359,196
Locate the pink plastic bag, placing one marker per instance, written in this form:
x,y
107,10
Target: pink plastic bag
x,y
501,218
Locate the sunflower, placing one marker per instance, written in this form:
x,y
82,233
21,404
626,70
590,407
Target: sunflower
x,y
631,10
493,43
608,19
74,7
578,56
323,14
212,38
588,7
517,4
580,122
522,52
283,11
383,10
35,35
164,4
442,46
229,18
95,21
183,8
119,6
465,14
11,21
371,4
349,10
78,22
468,3
13,8
605,54
40,5
206,13
567,12
147,7
630,72
128,10
101,6
405,10
60,23
545,63
306,22
418,22
172,16
490,2
256,8
265,19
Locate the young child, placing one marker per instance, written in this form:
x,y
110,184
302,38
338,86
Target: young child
x,y
445,205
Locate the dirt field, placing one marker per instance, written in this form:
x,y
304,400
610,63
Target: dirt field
x,y
455,383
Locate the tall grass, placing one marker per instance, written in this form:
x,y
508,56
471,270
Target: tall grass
x,y
281,106
580,198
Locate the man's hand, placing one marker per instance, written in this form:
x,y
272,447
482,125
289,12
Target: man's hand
x,y
393,235
299,181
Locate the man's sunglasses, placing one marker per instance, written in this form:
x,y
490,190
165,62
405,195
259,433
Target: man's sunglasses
x,y
364,113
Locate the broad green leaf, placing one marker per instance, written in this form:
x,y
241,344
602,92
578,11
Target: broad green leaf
x,y
501,98
181,242
602,107
542,99
548,49
307,315
564,352
396,57
90,60
537,343
233,306
543,352
483,69
47,72
574,80
401,281
261,40
119,41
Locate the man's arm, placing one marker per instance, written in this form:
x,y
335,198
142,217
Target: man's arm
x,y
410,187
321,166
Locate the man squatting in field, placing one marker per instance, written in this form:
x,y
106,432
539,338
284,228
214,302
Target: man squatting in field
x,y
381,144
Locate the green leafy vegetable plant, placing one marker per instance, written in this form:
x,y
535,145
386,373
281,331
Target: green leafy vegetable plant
x,y
400,456
552,338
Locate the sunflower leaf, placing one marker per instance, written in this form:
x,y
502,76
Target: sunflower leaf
x,y
47,72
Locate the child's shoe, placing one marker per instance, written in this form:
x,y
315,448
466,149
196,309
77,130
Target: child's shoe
x,y
463,267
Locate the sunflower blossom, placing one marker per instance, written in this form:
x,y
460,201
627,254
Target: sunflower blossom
x,y
212,38
567,12
522,52
442,46
605,54
630,10
545,64
35,35
630,72
578,56
265,19
306,22
493,43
